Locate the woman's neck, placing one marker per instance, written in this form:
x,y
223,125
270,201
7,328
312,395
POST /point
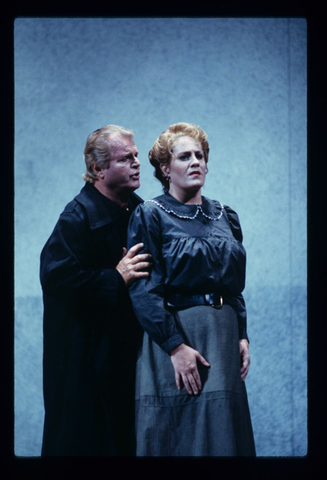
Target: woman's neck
x,y
186,197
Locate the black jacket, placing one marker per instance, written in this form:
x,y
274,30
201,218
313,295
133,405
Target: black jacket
x,y
90,331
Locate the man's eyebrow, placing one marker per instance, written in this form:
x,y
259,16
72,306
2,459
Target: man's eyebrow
x,y
129,155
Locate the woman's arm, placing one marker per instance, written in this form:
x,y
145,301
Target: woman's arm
x,y
148,294
237,301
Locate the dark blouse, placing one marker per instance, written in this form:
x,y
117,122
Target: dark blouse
x,y
196,249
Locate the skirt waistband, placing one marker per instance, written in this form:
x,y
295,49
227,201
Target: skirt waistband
x,y
184,301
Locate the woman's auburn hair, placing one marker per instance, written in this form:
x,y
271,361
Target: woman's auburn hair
x,y
161,152
97,150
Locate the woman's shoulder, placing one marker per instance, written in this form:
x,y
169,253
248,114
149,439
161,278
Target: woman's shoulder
x,y
151,204
231,214
148,210
234,222
212,203
215,207
161,199
155,204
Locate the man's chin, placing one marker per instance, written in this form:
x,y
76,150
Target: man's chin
x,y
136,185
132,187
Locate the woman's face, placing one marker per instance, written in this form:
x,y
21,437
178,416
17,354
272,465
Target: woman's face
x,y
187,167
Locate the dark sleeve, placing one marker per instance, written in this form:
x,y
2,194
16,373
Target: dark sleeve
x,y
234,223
238,304
64,268
237,301
147,294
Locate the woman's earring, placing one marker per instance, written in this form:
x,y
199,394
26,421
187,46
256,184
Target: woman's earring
x,y
167,177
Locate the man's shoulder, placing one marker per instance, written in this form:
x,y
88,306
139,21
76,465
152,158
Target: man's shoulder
x,y
87,205
71,206
80,206
74,213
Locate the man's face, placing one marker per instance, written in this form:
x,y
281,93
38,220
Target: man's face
x,y
123,174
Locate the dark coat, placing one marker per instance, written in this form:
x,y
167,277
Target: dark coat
x,y
90,332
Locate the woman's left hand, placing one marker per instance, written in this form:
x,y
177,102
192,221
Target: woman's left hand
x,y
245,356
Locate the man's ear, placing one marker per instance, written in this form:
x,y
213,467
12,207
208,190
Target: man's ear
x,y
97,170
95,167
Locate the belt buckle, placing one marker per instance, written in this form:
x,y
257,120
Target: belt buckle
x,y
207,298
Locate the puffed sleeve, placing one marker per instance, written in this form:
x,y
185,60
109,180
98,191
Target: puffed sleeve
x,y
234,223
147,294
237,301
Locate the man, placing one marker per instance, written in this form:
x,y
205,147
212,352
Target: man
x,y
90,332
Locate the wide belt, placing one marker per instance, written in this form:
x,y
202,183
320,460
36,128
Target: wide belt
x,y
184,301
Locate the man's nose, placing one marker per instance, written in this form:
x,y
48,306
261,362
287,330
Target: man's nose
x,y
136,162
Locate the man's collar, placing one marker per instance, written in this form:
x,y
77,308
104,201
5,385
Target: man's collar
x,y
97,211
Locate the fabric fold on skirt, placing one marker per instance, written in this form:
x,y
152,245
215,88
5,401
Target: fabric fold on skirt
x,y
217,421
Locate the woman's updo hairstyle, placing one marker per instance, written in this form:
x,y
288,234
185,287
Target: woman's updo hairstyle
x,y
161,152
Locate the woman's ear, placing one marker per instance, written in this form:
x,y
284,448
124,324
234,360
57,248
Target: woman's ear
x,y
165,169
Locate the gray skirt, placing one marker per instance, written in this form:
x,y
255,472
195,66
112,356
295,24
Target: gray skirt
x,y
216,422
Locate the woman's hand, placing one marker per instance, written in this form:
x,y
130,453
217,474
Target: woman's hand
x,y
245,357
184,360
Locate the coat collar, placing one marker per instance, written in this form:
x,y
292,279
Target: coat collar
x,y
210,208
97,211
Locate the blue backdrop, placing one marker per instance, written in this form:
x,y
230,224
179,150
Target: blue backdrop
x,y
243,80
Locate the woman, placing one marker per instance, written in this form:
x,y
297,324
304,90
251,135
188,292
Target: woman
x,y
191,398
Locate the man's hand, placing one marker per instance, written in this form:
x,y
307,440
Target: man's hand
x,y
245,356
132,266
184,360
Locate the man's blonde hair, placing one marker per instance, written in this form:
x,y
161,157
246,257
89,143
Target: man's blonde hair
x,y
97,150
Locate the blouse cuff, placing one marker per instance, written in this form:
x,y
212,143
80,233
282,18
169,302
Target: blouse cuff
x,y
243,334
172,342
